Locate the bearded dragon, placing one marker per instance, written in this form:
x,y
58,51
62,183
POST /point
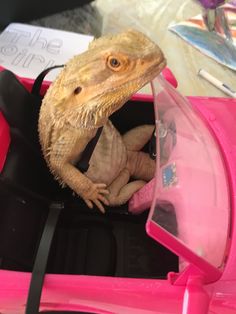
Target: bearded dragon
x,y
86,92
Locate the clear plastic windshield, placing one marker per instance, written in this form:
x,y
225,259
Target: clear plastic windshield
x,y
191,199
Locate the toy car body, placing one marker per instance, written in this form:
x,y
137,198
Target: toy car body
x,y
108,264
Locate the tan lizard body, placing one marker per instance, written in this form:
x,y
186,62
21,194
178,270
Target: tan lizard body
x,y
87,91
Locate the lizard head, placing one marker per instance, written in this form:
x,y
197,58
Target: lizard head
x,y
99,81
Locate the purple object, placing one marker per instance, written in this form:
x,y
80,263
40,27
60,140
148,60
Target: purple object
x,y
210,4
214,17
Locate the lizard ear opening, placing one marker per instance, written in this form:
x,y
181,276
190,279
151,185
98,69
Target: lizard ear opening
x,y
77,90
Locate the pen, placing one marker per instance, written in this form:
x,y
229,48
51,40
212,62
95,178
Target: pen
x,y
217,83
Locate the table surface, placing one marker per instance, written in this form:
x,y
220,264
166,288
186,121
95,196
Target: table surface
x,y
183,59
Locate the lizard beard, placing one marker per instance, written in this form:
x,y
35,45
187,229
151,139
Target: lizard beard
x,y
87,118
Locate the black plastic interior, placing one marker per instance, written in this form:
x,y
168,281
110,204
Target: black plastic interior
x,y
85,241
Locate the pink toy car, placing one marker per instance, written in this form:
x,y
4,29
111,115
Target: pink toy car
x,y
172,249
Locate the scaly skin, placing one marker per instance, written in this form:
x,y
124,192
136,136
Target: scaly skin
x,y
87,91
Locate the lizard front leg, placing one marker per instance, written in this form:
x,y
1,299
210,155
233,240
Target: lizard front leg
x,y
83,186
61,158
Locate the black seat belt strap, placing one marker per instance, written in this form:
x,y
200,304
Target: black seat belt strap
x,y
39,269
39,79
83,163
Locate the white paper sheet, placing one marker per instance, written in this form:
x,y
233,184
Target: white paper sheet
x,y
27,50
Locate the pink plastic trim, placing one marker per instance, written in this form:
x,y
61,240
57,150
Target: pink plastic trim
x,y
169,76
92,294
196,300
160,235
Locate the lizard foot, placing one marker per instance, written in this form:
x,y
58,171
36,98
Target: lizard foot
x,y
96,196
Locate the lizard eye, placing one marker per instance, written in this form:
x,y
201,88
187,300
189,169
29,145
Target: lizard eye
x,y
77,90
113,63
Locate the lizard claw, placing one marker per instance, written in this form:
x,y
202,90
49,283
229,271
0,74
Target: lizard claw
x,y
96,196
